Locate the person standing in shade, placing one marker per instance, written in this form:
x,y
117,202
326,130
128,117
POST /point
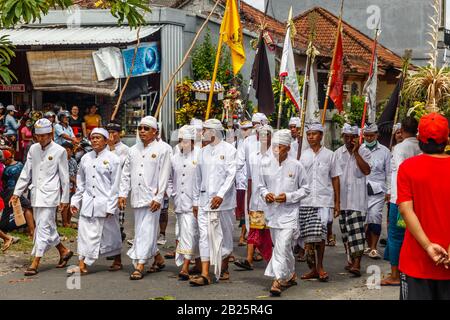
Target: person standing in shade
x,y
378,184
63,131
76,122
283,186
92,119
408,148
46,171
355,163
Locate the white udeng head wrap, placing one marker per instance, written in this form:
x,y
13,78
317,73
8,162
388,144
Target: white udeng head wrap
x,y
213,124
265,128
397,126
260,118
197,123
295,121
43,126
348,129
101,131
187,132
245,124
373,128
282,137
150,122
315,126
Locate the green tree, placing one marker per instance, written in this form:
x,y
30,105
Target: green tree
x,y
13,12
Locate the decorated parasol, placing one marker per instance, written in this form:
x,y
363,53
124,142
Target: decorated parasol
x,y
202,88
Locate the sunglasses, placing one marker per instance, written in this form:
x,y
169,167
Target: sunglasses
x,y
145,128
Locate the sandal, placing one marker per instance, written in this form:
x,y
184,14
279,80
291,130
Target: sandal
x,y
9,243
331,241
75,270
356,272
63,260
310,275
200,281
136,275
115,267
275,290
224,275
183,276
291,282
31,272
374,254
244,264
323,276
156,268
170,255
388,282
257,257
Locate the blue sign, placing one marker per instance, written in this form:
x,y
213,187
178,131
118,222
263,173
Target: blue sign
x,y
148,59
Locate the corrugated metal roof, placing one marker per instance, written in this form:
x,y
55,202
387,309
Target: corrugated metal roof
x,y
75,36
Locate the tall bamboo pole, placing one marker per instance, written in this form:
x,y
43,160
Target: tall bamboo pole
x,y
213,81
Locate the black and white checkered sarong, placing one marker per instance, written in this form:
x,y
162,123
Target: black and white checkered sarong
x,y
352,229
312,230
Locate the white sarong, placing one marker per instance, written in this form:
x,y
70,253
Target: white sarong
x,y
46,233
282,264
216,236
98,237
187,237
375,209
146,231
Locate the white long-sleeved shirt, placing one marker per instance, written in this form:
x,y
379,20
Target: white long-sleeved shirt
x,y
406,149
257,203
320,168
289,178
46,173
182,179
215,176
248,146
353,182
98,180
380,173
121,150
146,174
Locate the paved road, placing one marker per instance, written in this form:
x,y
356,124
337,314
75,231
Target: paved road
x,y
51,283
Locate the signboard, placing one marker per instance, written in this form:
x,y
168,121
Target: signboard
x,y
148,59
12,88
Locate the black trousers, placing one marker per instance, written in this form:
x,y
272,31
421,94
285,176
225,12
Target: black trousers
x,y
423,289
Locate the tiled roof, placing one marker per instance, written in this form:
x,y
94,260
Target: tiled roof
x,y
357,46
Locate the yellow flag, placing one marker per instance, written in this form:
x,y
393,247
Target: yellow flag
x,y
231,31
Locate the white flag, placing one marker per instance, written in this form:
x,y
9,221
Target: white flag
x,y
370,91
287,70
312,105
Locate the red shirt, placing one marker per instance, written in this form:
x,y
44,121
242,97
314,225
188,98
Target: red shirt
x,y
426,181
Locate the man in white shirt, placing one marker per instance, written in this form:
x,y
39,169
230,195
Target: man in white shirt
x,y
96,200
145,174
294,126
378,182
259,234
283,185
355,163
214,198
46,174
184,165
408,148
322,204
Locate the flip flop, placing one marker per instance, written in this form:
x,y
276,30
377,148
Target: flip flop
x,y
136,275
115,267
244,264
8,244
63,260
310,275
31,272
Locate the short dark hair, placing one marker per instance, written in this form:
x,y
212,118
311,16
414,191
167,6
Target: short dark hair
x,y
432,147
410,125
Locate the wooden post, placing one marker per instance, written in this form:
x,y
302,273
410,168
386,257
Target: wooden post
x,y
280,105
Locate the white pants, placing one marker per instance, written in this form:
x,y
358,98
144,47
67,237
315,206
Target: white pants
x,y
46,234
146,231
98,237
226,225
187,237
282,264
375,209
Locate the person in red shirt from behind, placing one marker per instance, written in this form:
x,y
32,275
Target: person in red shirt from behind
x,y
423,197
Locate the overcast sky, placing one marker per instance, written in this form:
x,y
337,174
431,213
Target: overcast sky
x,y
259,4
